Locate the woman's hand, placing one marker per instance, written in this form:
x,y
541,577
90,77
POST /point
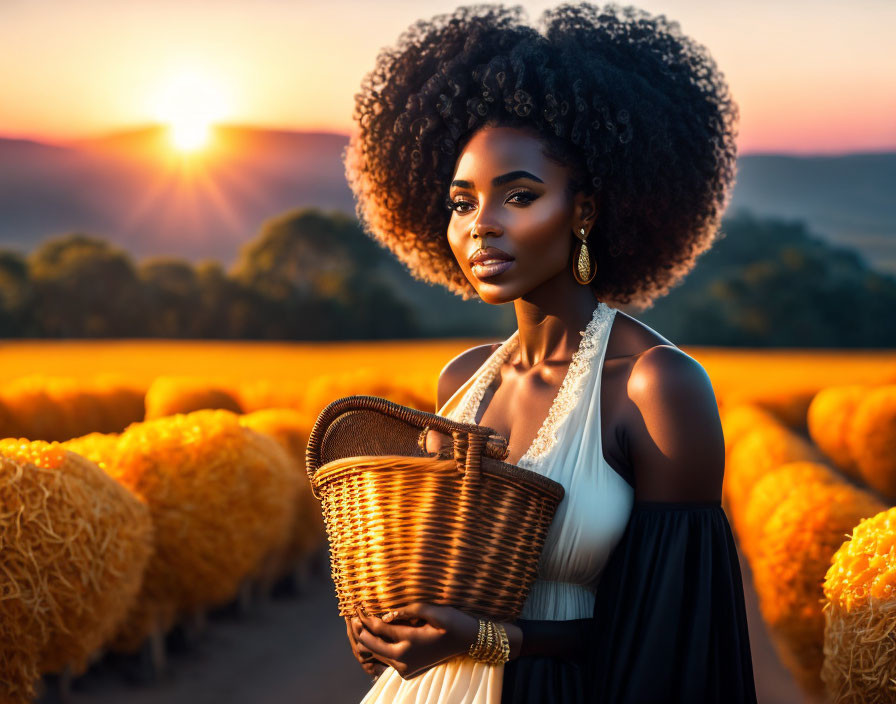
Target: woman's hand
x,y
416,637
371,665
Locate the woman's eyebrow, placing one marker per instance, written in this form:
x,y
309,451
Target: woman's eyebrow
x,y
500,180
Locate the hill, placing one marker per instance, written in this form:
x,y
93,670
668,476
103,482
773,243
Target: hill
x,y
130,189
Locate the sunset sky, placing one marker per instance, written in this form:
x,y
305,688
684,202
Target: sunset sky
x,y
810,76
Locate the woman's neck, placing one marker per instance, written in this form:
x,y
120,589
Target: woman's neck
x,y
550,319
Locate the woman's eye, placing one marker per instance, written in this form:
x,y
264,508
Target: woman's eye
x,y
455,205
520,197
527,196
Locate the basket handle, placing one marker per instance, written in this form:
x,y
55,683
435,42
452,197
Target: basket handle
x,y
468,450
487,440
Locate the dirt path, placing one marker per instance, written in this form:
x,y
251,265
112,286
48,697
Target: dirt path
x,y
290,650
293,650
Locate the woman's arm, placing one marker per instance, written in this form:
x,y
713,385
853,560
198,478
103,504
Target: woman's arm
x,y
558,639
672,589
415,638
675,440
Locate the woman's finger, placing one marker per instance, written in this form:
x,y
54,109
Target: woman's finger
x,y
386,631
380,649
435,441
352,639
416,610
381,663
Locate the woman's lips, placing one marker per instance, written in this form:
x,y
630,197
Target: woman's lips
x,y
490,268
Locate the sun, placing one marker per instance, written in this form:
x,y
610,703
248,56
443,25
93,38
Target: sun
x,y
190,102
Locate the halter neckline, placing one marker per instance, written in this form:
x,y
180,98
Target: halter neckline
x,y
567,396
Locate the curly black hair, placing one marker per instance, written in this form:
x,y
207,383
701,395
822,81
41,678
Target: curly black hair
x,y
638,112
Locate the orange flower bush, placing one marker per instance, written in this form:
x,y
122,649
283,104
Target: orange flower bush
x,y
741,419
860,613
37,413
57,408
169,395
220,506
414,391
291,429
737,421
768,493
872,439
829,419
759,451
801,537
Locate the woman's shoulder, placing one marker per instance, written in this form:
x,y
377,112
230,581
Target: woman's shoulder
x,y
667,411
461,368
630,337
678,449
650,357
656,364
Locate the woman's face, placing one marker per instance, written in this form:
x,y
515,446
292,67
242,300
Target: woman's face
x,y
505,189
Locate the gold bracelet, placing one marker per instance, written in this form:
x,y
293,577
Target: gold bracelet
x,y
492,645
490,642
502,646
505,645
476,648
495,644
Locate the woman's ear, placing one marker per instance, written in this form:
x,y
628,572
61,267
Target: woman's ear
x,y
585,208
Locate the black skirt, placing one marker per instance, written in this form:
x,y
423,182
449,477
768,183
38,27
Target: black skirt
x,y
669,621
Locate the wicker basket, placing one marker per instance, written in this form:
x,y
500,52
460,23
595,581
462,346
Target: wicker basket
x,y
458,527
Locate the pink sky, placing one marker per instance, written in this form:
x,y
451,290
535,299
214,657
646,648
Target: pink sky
x,y
810,76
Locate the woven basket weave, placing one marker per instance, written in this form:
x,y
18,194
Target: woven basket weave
x,y
458,527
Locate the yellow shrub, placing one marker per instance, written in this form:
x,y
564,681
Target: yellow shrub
x,y
739,420
768,493
74,544
759,451
219,506
801,537
405,390
57,408
37,414
97,447
291,429
872,439
789,406
169,395
860,610
829,418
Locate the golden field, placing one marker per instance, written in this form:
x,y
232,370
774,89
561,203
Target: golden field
x,y
736,374
121,435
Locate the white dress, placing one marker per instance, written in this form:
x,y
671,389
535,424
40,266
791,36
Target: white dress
x,y
589,521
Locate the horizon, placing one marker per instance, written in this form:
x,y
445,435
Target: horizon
x,y
133,129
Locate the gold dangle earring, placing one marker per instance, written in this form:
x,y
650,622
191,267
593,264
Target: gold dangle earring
x,y
583,268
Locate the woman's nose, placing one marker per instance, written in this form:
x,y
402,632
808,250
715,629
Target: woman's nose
x,y
486,228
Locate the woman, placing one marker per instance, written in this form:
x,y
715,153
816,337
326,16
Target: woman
x,y
562,170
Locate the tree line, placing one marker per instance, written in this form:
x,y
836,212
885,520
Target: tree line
x,y
313,275
300,279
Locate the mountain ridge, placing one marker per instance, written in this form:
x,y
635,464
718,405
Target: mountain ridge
x,y
128,187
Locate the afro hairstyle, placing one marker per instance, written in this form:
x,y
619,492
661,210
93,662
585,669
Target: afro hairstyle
x,y
638,112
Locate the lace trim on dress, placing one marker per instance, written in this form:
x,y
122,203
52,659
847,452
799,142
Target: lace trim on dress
x,y
489,370
567,396
571,388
